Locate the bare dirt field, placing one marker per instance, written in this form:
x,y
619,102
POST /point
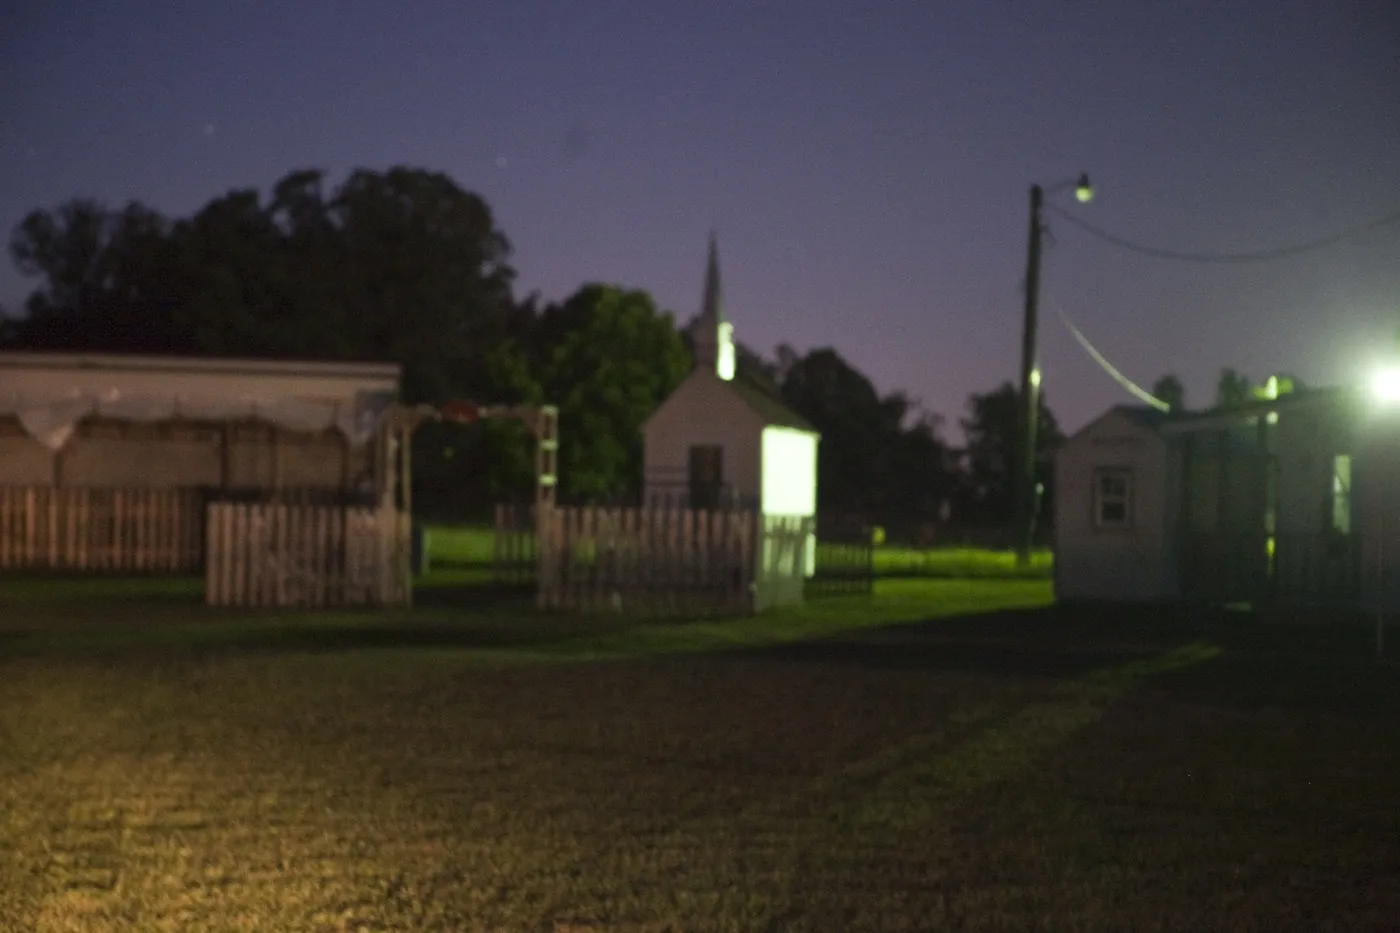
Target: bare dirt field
x,y
1011,770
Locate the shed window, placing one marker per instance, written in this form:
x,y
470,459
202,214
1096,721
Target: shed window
x,y
1113,498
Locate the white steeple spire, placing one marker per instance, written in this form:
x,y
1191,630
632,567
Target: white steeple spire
x,y
714,337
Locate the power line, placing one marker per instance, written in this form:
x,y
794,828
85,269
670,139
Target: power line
x,y
1256,256
1132,387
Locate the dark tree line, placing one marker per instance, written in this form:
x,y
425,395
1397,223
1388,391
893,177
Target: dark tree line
x,y
1232,389
405,265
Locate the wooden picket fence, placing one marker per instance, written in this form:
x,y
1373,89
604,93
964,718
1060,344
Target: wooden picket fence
x,y
671,560
515,557
93,529
277,554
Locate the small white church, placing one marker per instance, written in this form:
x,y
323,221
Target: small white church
x,y
720,439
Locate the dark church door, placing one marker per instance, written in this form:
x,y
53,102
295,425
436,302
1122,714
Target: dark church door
x,y
706,476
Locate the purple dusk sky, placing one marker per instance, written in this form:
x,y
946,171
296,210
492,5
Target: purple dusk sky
x,y
865,164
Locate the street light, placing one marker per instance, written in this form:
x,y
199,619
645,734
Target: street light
x,y
1385,385
1030,375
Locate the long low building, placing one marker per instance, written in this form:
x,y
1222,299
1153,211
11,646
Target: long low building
x,y
99,420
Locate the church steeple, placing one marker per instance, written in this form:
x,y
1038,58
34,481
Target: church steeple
x,y
714,336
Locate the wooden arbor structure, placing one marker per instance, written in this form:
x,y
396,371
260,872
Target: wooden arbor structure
x,y
396,467
280,554
402,421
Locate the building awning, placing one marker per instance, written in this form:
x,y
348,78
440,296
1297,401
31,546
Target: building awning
x,y
1249,412
51,419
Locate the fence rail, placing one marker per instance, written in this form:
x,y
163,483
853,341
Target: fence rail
x,y
844,561
514,555
55,528
653,560
272,554
661,558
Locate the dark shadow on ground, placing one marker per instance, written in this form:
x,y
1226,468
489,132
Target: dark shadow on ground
x,y
1317,663
1022,642
474,597
406,634
213,640
161,616
1360,690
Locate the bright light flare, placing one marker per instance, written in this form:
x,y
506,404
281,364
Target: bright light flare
x,y
1385,385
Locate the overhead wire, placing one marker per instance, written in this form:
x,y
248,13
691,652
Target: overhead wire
x,y
1203,257
1133,388
1263,255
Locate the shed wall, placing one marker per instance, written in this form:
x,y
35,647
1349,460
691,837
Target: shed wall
x,y
1307,443
1096,563
1376,512
789,472
702,411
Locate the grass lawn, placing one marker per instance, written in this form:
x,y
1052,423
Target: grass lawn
x,y
959,562
471,545
1002,765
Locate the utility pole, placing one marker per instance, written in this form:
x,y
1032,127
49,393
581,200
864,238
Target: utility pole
x,y
1380,581
1030,390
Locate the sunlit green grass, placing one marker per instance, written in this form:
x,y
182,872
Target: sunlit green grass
x,y
460,545
960,562
467,545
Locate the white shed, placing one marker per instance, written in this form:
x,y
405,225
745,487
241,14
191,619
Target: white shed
x,y
722,439
1114,509
1285,502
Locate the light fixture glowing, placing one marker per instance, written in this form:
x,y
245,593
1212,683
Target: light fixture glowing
x,y
726,359
1035,377
1385,384
1083,190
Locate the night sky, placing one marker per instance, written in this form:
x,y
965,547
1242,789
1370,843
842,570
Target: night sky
x,y
865,164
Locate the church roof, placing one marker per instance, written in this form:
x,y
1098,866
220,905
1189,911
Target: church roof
x,y
761,400
1144,415
767,406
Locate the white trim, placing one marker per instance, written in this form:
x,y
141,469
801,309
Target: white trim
x,y
1125,474
52,418
14,359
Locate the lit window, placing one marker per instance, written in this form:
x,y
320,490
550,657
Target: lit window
x,y
1113,498
1341,494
